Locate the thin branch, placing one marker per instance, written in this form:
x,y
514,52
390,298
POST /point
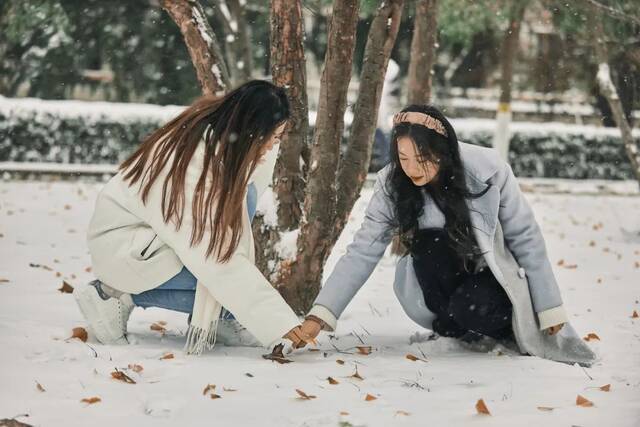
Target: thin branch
x,y
615,13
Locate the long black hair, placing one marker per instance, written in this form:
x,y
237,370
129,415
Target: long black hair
x,y
448,188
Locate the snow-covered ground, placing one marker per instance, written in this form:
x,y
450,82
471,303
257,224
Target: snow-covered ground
x,y
43,224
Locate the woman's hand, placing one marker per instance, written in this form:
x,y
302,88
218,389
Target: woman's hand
x,y
298,337
552,330
311,328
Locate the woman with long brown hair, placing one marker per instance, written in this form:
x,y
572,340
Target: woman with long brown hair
x,y
172,228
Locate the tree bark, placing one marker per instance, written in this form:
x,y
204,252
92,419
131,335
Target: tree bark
x,y
608,89
423,52
355,162
508,53
201,43
299,283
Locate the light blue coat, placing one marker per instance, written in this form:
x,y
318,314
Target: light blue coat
x,y
507,233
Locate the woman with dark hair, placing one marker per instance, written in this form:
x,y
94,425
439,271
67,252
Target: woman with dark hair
x,y
476,263
172,228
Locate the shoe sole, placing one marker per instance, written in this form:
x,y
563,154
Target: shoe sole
x,y
92,314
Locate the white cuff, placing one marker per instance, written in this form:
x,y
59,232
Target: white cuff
x,y
552,317
327,316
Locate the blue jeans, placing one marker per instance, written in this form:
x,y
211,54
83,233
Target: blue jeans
x,y
178,293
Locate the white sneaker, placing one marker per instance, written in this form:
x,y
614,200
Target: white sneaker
x,y
232,333
108,317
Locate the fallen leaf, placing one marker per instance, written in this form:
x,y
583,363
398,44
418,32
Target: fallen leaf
x,y
58,274
591,336
304,396
121,376
364,350
332,381
91,400
481,407
592,243
546,408
370,397
276,355
599,280
571,266
80,333
88,270
66,288
136,368
215,396
635,315
229,389
344,413
637,264
209,387
585,403
249,375
405,413
356,375
4,280
167,356
39,387
340,361
44,267
561,262
606,387
414,358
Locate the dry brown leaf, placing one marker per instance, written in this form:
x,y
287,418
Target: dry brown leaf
x,y
229,389
91,400
606,387
66,288
167,356
561,262
4,280
481,407
276,355
357,375
571,266
599,280
136,368
591,336
344,413
332,381
121,376
405,413
585,403
592,243
215,396
39,387
370,397
304,396
635,314
364,349
88,270
58,274
414,358
546,408
67,207
340,361
80,333
209,387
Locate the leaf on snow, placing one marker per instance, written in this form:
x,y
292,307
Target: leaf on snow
x,y
332,381
136,368
167,356
635,314
414,358
546,408
276,355
66,288
370,397
405,413
80,333
340,361
364,349
585,403
209,387
304,396
481,407
357,375
121,376
591,336
39,387
91,400
606,387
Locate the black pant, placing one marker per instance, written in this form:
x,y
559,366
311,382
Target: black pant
x,y
462,301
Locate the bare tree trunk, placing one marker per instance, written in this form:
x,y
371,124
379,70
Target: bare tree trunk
x,y
300,284
238,40
423,52
355,162
202,44
288,70
508,53
608,89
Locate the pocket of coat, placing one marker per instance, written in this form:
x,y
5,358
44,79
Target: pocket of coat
x,y
145,243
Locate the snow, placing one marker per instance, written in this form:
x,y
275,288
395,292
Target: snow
x,y
604,80
44,223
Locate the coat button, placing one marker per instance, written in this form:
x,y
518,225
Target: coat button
x,y
521,273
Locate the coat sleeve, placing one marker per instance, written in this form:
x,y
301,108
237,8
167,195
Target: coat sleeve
x,y
237,284
354,268
525,241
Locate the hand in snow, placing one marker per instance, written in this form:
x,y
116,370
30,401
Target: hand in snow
x,y
298,337
311,327
554,329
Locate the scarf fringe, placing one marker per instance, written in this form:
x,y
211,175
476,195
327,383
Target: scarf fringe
x,y
201,339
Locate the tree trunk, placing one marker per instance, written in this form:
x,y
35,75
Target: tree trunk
x,y
508,53
300,283
609,91
355,162
202,44
423,52
288,70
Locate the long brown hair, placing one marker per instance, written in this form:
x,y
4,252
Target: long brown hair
x,y
233,129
